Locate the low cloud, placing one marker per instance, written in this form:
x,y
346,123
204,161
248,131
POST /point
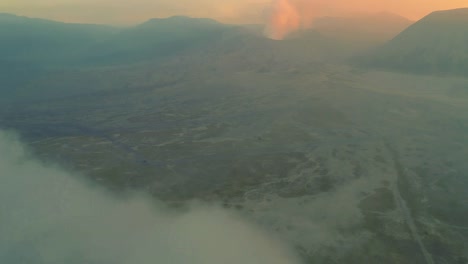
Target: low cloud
x,y
48,215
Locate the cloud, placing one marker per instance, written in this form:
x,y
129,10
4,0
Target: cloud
x,y
48,215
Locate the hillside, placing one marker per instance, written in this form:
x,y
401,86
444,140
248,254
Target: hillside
x,y
84,54
29,47
372,28
43,41
437,44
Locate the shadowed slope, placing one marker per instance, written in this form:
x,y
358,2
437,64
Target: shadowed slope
x,y
437,44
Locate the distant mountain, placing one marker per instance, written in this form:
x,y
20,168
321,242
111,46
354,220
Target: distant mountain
x,y
41,58
43,41
344,37
371,28
33,49
158,38
29,47
49,43
437,44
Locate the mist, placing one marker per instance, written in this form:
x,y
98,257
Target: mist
x,y
49,215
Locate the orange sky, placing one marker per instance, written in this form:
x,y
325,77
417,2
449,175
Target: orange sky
x,y
286,16
231,11
412,9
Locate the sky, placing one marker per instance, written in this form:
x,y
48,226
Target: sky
x,y
229,11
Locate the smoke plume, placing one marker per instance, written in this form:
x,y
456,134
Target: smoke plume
x,y
286,16
49,216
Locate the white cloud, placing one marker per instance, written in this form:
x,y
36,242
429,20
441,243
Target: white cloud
x,y
49,216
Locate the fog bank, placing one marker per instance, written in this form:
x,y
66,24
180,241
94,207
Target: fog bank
x,y
49,216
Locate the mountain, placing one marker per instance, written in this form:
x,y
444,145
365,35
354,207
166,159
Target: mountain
x,y
372,28
54,51
203,39
29,47
158,38
437,44
55,44
345,37
43,41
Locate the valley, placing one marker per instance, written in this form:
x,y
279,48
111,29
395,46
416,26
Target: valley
x,y
280,151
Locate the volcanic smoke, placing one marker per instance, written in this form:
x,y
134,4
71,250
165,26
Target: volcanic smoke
x,y
286,16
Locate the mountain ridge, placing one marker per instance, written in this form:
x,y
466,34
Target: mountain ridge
x,y
436,44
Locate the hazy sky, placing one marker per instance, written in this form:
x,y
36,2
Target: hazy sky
x,y
232,11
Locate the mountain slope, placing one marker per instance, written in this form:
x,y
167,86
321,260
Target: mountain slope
x,y
44,41
184,44
347,36
373,28
437,44
157,38
31,47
